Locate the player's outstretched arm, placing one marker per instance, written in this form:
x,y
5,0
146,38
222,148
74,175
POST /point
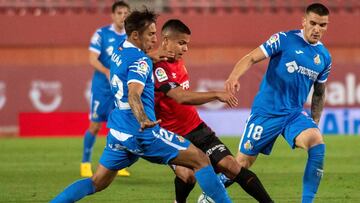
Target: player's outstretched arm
x,y
137,107
94,61
198,98
232,83
160,55
318,101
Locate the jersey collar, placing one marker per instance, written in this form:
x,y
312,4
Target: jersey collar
x,y
128,44
112,28
301,34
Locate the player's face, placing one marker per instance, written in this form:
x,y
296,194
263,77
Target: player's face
x,y
148,38
177,45
119,16
314,27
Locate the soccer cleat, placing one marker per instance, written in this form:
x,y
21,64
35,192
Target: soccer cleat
x,y
85,170
203,198
123,172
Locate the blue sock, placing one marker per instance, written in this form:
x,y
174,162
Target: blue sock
x,y
89,140
75,191
211,184
313,172
225,180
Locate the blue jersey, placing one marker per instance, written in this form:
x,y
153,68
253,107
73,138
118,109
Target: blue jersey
x,y
130,64
104,41
293,68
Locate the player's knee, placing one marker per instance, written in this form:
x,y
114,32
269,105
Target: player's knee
x,y
243,162
94,128
229,166
201,160
189,178
99,183
314,139
186,175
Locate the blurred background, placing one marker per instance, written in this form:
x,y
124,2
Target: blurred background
x,y
45,76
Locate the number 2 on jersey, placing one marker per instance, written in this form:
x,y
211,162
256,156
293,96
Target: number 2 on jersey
x,y
116,82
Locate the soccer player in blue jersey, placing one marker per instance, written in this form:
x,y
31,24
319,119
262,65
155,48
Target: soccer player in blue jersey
x,y
298,61
134,130
102,45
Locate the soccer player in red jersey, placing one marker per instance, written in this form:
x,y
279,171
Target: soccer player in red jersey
x,y
174,106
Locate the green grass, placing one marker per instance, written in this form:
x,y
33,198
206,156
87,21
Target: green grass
x,y
35,170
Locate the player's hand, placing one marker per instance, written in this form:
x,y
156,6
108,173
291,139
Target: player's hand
x,y
232,85
107,73
228,98
160,55
148,124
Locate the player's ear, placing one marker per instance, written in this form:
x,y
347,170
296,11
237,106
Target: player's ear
x,y
135,35
165,41
304,21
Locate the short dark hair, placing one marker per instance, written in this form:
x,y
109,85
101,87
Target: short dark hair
x,y
175,25
317,8
139,21
119,4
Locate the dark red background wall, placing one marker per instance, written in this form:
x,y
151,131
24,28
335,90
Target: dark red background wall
x,y
53,49
239,29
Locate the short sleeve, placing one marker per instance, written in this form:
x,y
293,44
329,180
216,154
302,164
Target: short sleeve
x,y
96,42
163,82
274,44
323,76
139,70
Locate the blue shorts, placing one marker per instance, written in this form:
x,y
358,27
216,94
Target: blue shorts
x,y
101,102
157,146
261,132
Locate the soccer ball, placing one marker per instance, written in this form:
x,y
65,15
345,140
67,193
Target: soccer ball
x,y
203,198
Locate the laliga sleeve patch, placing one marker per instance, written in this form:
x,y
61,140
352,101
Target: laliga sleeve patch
x,y
274,38
96,39
161,75
143,67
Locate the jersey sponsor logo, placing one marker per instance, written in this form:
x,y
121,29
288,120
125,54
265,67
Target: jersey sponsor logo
x,y
110,50
50,90
274,38
185,85
112,40
299,52
173,75
293,67
219,147
317,60
161,74
116,59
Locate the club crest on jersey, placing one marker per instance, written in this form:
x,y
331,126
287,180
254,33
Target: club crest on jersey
x,y
274,38
317,60
181,139
248,145
161,74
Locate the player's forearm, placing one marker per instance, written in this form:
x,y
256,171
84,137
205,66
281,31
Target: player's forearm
x,y
318,101
98,66
137,107
197,98
241,67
